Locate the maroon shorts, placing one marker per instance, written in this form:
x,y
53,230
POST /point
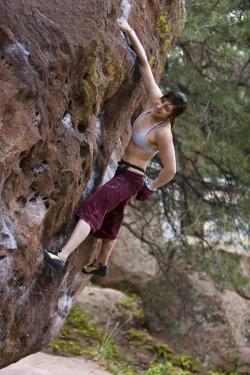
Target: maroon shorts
x,y
104,210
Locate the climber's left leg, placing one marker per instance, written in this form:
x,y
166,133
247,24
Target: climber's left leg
x,y
108,233
100,267
107,247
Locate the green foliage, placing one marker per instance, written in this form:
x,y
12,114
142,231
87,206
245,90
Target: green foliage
x,y
130,304
206,205
208,64
166,369
121,368
160,369
164,351
77,326
107,351
131,297
224,269
80,336
187,363
71,338
140,338
126,303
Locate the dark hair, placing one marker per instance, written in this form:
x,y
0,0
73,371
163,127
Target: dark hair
x,y
179,100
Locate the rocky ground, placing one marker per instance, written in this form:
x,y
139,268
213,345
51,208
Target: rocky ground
x,y
45,364
121,319
131,351
112,311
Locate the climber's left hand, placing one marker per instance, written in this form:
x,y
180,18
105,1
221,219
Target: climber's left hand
x,y
145,193
123,24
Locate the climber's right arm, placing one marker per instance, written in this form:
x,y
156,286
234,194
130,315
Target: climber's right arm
x,y
152,88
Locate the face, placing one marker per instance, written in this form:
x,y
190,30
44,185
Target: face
x,y
162,109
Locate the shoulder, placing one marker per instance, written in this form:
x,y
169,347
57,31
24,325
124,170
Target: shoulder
x,y
152,97
164,130
163,135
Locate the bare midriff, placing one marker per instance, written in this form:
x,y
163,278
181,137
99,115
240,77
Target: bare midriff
x,y
134,155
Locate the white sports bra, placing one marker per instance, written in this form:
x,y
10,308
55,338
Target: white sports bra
x,y
140,138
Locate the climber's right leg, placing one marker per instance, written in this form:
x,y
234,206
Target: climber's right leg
x,y
78,235
58,259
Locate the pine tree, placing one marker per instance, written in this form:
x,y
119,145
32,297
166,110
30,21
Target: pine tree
x,y
206,205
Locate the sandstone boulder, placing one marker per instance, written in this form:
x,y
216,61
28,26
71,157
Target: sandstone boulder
x,y
69,87
46,364
188,313
102,305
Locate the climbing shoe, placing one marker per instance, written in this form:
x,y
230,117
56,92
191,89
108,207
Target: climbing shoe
x,y
98,271
53,259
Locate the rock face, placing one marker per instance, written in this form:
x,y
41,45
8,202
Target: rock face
x,y
69,88
194,318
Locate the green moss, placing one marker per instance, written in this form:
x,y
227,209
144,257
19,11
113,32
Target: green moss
x,y
79,115
163,27
152,61
95,80
115,71
86,98
166,32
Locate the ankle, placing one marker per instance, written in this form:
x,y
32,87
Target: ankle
x,y
98,264
62,256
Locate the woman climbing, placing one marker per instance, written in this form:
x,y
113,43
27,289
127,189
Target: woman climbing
x,y
102,213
